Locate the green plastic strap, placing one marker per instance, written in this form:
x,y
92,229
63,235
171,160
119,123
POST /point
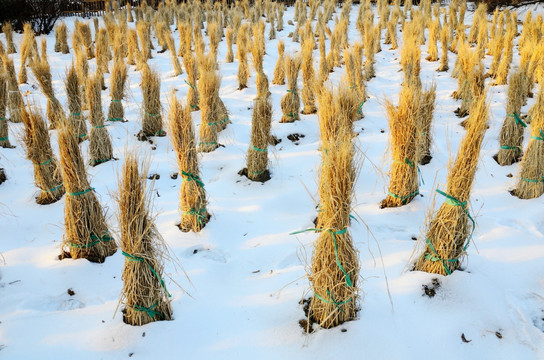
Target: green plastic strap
x,y
100,161
46,161
360,109
219,122
160,132
2,118
208,143
4,138
194,106
53,189
152,115
191,85
506,147
294,91
195,178
81,192
293,115
96,239
152,313
100,126
436,257
534,180
334,233
115,100
140,259
403,198
115,119
518,119
258,172
336,303
76,114
541,137
196,213
261,150
81,135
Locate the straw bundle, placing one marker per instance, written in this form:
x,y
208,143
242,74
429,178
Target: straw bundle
x,y
257,53
531,178
230,39
144,30
42,73
470,78
151,87
62,39
308,77
194,215
403,185
334,270
434,31
279,70
38,150
511,136
73,92
172,48
84,31
424,125
257,154
16,106
4,131
410,55
189,62
208,86
117,91
355,77
444,45
7,29
133,51
130,18
86,232
102,51
501,76
290,103
100,147
369,46
27,51
448,233
144,293
82,69
241,54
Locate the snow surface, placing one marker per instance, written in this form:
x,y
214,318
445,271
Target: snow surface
x,y
247,274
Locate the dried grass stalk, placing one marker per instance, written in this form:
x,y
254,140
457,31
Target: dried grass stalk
x,y
103,52
531,178
323,63
290,103
27,51
133,51
7,29
73,92
335,269
4,131
172,48
100,148
403,185
194,215
189,62
511,136
448,232
151,90
47,176
117,91
230,39
16,106
144,32
504,66
434,31
208,86
444,45
86,232
424,122
144,292
42,73
279,70
82,69
84,31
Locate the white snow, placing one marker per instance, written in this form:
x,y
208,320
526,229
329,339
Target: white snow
x,y
247,274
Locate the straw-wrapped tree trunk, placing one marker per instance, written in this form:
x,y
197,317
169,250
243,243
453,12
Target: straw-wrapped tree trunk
x,y
117,91
100,148
73,92
144,293
4,131
290,103
86,232
403,185
151,89
531,177
194,214
511,136
38,150
449,230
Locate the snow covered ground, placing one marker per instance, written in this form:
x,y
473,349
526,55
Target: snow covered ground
x,y
247,274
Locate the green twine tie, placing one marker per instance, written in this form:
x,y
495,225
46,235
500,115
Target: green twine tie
x,y
360,109
411,164
53,189
149,310
100,126
160,133
348,281
96,239
140,259
260,150
2,118
208,143
4,138
81,192
46,161
506,147
292,115
534,180
115,100
403,198
100,161
294,91
541,137
115,119
450,200
152,115
198,214
76,114
195,178
81,135
517,119
191,85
